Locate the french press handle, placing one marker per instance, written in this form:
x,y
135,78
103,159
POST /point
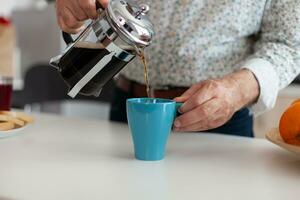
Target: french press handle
x,y
67,37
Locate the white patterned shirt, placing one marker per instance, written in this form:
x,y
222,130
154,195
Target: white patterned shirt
x,y
202,39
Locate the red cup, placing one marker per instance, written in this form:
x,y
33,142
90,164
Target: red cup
x,y
5,21
5,92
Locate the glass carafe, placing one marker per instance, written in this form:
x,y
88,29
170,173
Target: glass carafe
x,y
105,46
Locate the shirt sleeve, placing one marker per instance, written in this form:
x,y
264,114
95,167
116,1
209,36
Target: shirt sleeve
x,y
275,61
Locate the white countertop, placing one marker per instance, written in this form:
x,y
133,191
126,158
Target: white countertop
x,y
62,158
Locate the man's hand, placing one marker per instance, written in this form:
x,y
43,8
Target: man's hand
x,y
210,104
72,13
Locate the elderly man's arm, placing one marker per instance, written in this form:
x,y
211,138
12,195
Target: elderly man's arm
x,y
275,62
273,65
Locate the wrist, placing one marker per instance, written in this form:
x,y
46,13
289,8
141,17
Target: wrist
x,y
245,88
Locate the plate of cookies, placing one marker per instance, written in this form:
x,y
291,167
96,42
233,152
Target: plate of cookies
x,y
12,122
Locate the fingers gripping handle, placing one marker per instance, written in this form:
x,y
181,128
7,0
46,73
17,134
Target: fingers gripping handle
x,y
67,37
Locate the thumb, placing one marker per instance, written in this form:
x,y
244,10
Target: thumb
x,y
181,99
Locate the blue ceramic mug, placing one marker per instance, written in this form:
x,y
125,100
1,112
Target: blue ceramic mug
x,y
150,121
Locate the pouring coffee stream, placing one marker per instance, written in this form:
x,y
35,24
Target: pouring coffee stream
x,y
107,45
141,54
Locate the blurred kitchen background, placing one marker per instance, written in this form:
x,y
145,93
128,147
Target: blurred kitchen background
x,y
38,87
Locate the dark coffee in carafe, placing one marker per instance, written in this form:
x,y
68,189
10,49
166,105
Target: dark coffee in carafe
x,y
81,58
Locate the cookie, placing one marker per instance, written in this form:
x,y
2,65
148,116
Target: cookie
x,y
5,126
19,115
17,121
4,118
24,117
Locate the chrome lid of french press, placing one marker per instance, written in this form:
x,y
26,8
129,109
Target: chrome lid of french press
x,y
130,22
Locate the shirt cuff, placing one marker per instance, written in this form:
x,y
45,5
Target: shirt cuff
x,y
268,83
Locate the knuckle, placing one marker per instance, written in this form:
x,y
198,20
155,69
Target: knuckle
x,y
213,84
230,112
197,101
219,87
63,27
58,20
226,108
210,125
179,123
61,4
196,115
184,120
70,23
215,123
83,3
204,111
103,2
81,17
205,125
66,29
86,5
58,2
215,87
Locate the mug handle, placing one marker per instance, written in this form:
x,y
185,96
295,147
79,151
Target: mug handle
x,y
177,106
67,37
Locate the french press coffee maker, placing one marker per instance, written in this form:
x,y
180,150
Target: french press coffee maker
x,y
104,47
